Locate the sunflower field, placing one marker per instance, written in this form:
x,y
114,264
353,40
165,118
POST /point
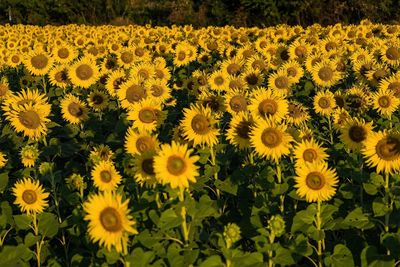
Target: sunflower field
x,y
217,146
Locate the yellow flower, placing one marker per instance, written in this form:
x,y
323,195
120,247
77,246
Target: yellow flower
x,y
73,109
316,182
199,126
239,130
144,168
267,104
324,103
270,140
146,115
325,74
385,102
105,176
30,196
38,62
29,155
382,150
308,151
83,73
355,132
3,160
109,221
138,143
174,166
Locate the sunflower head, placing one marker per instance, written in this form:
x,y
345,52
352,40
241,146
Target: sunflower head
x,y
30,196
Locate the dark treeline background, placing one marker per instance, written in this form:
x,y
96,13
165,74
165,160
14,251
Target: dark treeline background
x,y
197,12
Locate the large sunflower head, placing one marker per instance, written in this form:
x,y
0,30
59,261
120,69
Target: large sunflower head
x,y
316,182
84,72
105,176
175,166
30,196
38,62
308,151
109,221
73,109
382,150
325,74
385,102
146,115
267,104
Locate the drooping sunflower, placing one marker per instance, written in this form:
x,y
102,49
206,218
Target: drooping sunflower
x,y
308,151
30,196
38,62
30,120
101,153
385,102
270,140
105,176
325,74
175,166
84,73
354,132
315,181
267,104
73,109
138,143
109,221
382,150
239,130
199,126
324,103
146,115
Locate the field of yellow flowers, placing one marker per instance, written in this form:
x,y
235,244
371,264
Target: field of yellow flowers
x,y
218,146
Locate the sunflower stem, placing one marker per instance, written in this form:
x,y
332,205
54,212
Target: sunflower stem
x,y
387,214
271,242
330,130
185,231
38,244
213,162
318,224
282,197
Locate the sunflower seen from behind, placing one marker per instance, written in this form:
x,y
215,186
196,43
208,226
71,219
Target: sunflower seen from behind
x,y
109,221
315,181
30,196
174,165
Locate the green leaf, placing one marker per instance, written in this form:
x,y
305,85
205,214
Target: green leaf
x,y
371,258
30,239
48,224
370,189
169,219
304,219
212,261
6,214
379,207
140,258
283,257
3,181
392,242
22,222
226,186
358,219
341,256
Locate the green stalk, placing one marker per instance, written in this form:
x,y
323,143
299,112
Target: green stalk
x,y
185,231
318,224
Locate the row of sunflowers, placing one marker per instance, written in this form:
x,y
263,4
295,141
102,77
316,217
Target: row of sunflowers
x,y
217,146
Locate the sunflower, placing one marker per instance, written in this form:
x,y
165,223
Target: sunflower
x,y
109,221
385,102
4,88
105,176
390,53
138,143
30,120
308,151
270,140
58,76
158,89
98,100
144,168
297,114
218,81
101,153
64,53
84,73
199,126
325,74
29,154
340,116
30,196
73,109
382,150
131,92
293,70
38,62
174,166
3,160
144,69
280,82
29,97
315,181
232,66
324,103
252,77
114,82
146,115
184,54
126,58
267,104
239,130
354,132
